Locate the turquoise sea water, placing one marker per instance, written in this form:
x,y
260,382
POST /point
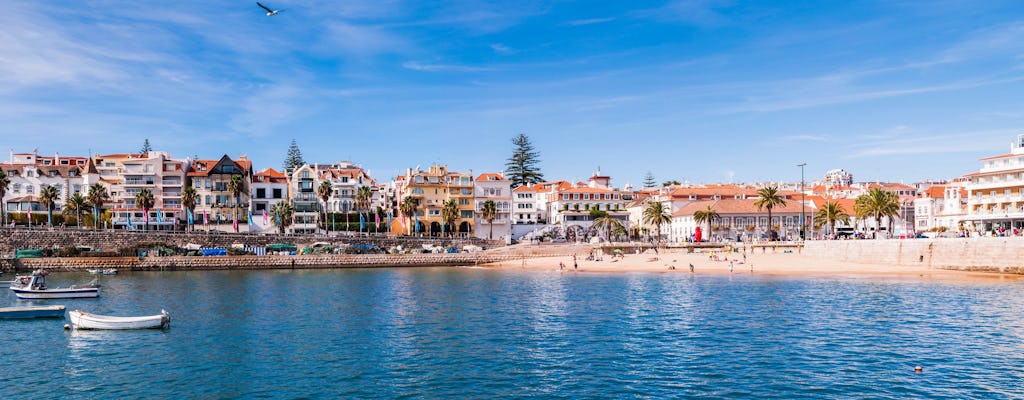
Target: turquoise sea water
x,y
471,333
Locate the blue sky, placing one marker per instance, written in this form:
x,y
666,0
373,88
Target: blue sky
x,y
701,91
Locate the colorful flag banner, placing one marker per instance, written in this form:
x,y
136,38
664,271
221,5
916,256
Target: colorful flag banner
x,y
130,220
362,222
189,214
265,220
159,216
206,218
250,218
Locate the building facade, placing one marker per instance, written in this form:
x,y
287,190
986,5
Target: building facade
x,y
995,202
496,188
125,175
216,206
432,188
29,173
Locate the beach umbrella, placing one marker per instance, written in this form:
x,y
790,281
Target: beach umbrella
x,y
618,250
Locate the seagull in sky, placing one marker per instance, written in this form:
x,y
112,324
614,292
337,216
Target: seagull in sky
x,y
270,13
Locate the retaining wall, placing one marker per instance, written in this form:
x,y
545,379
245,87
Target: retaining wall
x,y
1004,255
254,262
12,239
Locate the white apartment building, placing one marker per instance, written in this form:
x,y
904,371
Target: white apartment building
x,y
740,220
125,175
346,179
29,173
995,194
570,207
302,193
940,207
496,188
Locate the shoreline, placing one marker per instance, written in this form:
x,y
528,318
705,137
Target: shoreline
x,y
768,264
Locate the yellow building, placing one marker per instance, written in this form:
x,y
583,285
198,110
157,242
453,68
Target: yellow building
x,y
432,188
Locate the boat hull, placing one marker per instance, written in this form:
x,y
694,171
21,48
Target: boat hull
x,y
36,294
84,320
32,312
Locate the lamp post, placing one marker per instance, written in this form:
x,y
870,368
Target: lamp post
x,y
803,202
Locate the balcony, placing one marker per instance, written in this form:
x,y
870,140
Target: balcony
x,y
138,182
171,181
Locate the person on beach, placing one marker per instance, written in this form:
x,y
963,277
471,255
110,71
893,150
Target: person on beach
x,y
561,265
574,264
744,257
691,268
730,267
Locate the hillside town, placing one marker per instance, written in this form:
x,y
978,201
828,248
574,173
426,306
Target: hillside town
x,y
155,191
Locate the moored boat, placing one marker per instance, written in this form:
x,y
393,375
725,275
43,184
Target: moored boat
x,y
84,320
108,271
36,289
32,312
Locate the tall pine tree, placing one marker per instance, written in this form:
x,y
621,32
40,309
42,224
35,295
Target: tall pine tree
x,y
523,167
145,147
294,158
649,181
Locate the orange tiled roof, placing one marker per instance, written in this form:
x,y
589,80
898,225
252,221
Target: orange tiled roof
x,y
491,177
739,206
997,157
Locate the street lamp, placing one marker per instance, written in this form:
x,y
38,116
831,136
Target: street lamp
x,y
803,202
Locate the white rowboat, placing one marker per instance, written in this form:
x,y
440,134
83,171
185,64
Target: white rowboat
x,y
84,320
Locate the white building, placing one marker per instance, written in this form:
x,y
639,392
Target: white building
x,y
996,193
739,220
496,188
268,188
29,173
570,207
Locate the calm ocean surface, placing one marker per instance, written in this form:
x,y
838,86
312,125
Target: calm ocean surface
x,y
471,333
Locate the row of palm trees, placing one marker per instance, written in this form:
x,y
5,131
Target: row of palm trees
x,y
450,212
876,204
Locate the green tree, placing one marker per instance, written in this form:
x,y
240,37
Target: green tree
x,y
48,196
293,159
523,168
364,196
489,211
709,216
97,196
606,223
829,214
769,199
449,213
649,181
877,203
408,208
655,213
144,200
670,183
324,193
5,183
189,198
76,204
282,212
145,147
236,186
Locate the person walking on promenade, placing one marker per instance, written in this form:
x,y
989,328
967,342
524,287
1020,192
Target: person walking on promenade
x,y
574,264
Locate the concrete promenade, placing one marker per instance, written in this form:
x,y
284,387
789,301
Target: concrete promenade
x,y
983,254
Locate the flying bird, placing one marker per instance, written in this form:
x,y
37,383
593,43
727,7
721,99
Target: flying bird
x,y
270,12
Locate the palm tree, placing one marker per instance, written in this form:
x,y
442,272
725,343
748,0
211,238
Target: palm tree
x,y
363,196
877,203
5,183
829,214
449,213
97,195
408,209
76,204
656,214
708,215
282,212
235,186
770,198
189,198
606,223
144,200
48,196
324,193
489,211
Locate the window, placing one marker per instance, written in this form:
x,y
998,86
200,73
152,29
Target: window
x,y
415,191
565,196
29,189
305,174
277,193
466,214
17,188
586,196
208,202
28,173
220,186
261,193
575,196
463,202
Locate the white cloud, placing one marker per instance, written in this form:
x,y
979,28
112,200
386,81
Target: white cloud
x,y
589,21
417,66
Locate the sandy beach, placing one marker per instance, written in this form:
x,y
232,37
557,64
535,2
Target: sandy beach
x,y
758,263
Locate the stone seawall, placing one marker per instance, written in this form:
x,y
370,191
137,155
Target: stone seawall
x,y
12,239
180,263
1004,255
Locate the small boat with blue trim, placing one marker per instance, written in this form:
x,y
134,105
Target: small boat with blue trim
x,y
36,289
32,312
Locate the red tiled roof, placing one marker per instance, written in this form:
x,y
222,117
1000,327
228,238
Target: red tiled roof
x,y
997,157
